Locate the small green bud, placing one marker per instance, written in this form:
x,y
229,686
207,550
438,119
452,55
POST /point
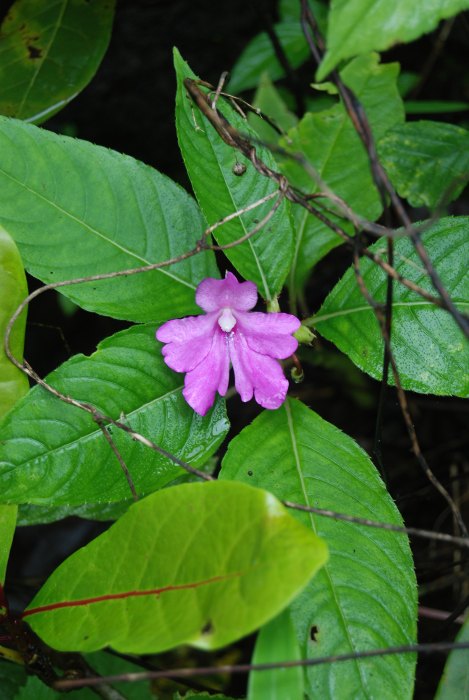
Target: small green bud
x,y
304,335
297,375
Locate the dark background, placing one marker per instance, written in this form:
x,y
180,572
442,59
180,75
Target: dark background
x,y
129,107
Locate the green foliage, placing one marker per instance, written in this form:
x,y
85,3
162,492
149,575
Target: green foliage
x,y
365,596
454,684
49,53
270,102
275,643
431,353
359,26
259,56
428,162
13,290
187,573
109,213
264,258
329,142
55,454
7,530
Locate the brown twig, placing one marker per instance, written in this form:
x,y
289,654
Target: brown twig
x,y
440,647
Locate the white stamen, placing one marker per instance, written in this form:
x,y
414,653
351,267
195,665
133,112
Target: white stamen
x,y
226,320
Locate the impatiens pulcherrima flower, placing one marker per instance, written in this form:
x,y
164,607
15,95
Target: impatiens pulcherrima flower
x,y
203,346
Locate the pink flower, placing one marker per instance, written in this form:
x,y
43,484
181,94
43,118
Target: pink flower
x,y
203,346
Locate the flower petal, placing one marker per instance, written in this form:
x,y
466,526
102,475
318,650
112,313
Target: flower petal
x,y
269,334
214,295
209,376
257,373
188,340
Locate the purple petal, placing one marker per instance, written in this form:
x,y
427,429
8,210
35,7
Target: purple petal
x,y
214,295
269,334
210,376
188,340
258,374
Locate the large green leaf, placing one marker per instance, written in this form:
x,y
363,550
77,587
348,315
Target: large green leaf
x,y
12,677
54,454
259,56
428,162
329,141
13,290
454,684
271,103
76,209
265,258
358,26
365,596
7,530
431,352
49,51
202,564
277,642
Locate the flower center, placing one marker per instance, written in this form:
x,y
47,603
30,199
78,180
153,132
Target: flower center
x,y
226,320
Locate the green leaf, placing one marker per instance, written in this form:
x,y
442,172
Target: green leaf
x,y
104,212
187,573
331,145
365,597
13,290
259,56
265,258
428,162
49,53
107,664
434,106
431,352
358,26
276,642
454,684
7,530
270,102
54,454
290,10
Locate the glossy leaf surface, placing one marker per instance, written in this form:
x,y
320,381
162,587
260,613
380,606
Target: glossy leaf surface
x,y
13,290
359,26
431,352
55,454
331,145
49,51
187,573
264,258
428,162
276,642
365,596
104,212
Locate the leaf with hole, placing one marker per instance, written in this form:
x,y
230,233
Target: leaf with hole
x,y
187,573
428,162
49,53
105,212
359,26
13,290
55,454
365,597
265,257
430,350
330,144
